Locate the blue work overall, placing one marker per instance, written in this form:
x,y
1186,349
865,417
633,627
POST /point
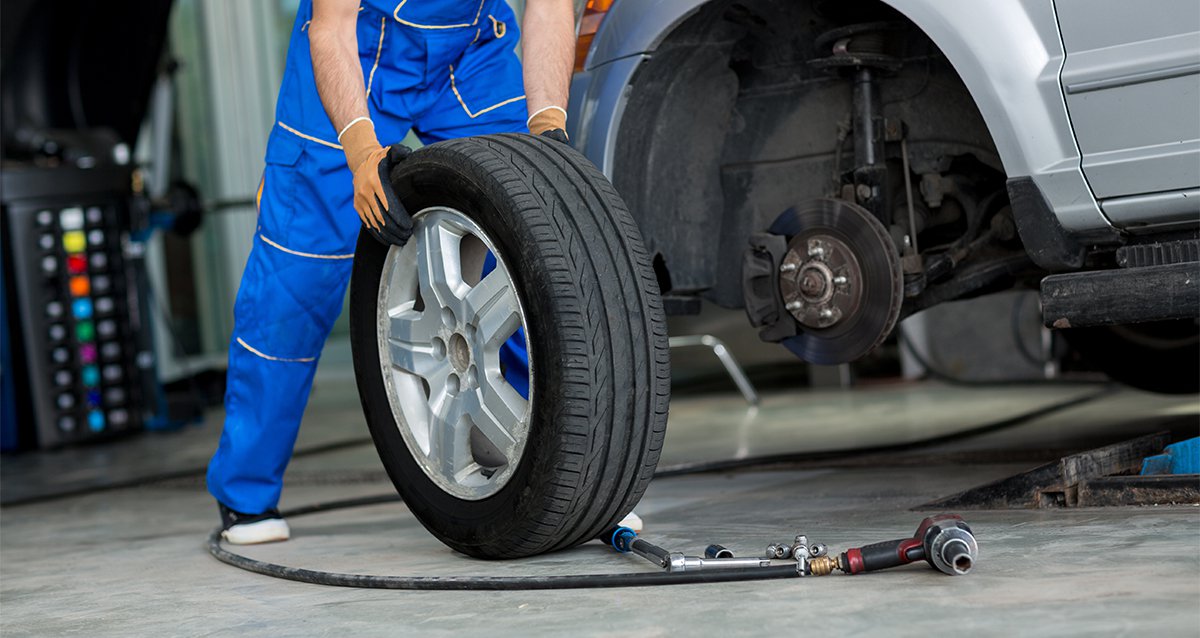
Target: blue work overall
x,y
445,69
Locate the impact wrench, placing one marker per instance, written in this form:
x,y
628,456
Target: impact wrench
x,y
945,541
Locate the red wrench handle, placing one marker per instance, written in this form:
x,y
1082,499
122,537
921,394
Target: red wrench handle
x,y
884,555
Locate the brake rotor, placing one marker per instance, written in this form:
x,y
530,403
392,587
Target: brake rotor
x,y
840,280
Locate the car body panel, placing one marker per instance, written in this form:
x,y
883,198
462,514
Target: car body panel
x,y
1139,214
1133,94
1009,54
597,103
632,27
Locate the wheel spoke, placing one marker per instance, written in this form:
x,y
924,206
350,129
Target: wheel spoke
x,y
401,280
410,342
417,329
448,448
439,266
418,360
499,412
492,304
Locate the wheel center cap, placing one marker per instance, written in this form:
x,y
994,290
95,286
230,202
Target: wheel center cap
x,y
460,352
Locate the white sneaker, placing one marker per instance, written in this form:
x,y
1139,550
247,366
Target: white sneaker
x,y
251,529
632,521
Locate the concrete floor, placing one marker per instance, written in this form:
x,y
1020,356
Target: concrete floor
x,y
132,561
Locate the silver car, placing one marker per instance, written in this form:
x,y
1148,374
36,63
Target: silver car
x,y
834,166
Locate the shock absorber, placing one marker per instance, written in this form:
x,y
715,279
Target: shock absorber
x,y
860,52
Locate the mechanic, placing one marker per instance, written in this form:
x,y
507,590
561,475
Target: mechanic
x,y
356,74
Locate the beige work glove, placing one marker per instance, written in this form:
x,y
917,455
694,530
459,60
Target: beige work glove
x,y
363,154
374,199
549,122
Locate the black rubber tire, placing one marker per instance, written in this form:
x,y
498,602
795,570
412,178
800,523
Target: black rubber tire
x,y
1161,356
594,316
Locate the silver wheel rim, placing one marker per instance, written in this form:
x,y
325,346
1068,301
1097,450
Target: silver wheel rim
x,y
440,329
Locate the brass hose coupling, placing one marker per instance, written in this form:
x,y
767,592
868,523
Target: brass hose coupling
x,y
822,565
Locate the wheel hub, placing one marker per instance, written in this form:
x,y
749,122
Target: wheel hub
x,y
820,280
824,280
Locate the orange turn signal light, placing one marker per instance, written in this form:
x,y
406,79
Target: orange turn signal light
x,y
593,15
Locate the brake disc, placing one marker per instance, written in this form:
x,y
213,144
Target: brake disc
x,y
840,279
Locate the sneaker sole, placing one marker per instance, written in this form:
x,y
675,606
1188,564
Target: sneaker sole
x,y
269,531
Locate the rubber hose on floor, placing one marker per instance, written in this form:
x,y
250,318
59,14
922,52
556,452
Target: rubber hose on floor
x,y
580,581
474,583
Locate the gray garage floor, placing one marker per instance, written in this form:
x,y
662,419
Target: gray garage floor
x,y
131,561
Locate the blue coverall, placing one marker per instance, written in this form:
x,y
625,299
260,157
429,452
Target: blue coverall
x,y
445,69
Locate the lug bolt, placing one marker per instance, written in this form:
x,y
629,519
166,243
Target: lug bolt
x,y
826,313
800,548
815,250
794,305
775,550
840,280
788,267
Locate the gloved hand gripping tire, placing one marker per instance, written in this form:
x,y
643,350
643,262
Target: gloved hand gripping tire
x,y
397,224
376,203
558,135
551,123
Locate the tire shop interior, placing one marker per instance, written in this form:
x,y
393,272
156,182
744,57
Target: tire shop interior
x,y
1052,476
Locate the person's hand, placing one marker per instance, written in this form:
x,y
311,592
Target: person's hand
x,y
374,199
558,135
368,188
397,223
550,122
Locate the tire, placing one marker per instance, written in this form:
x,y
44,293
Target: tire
x,y
1158,357
596,332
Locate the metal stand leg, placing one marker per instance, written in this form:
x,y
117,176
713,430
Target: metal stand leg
x,y
731,365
